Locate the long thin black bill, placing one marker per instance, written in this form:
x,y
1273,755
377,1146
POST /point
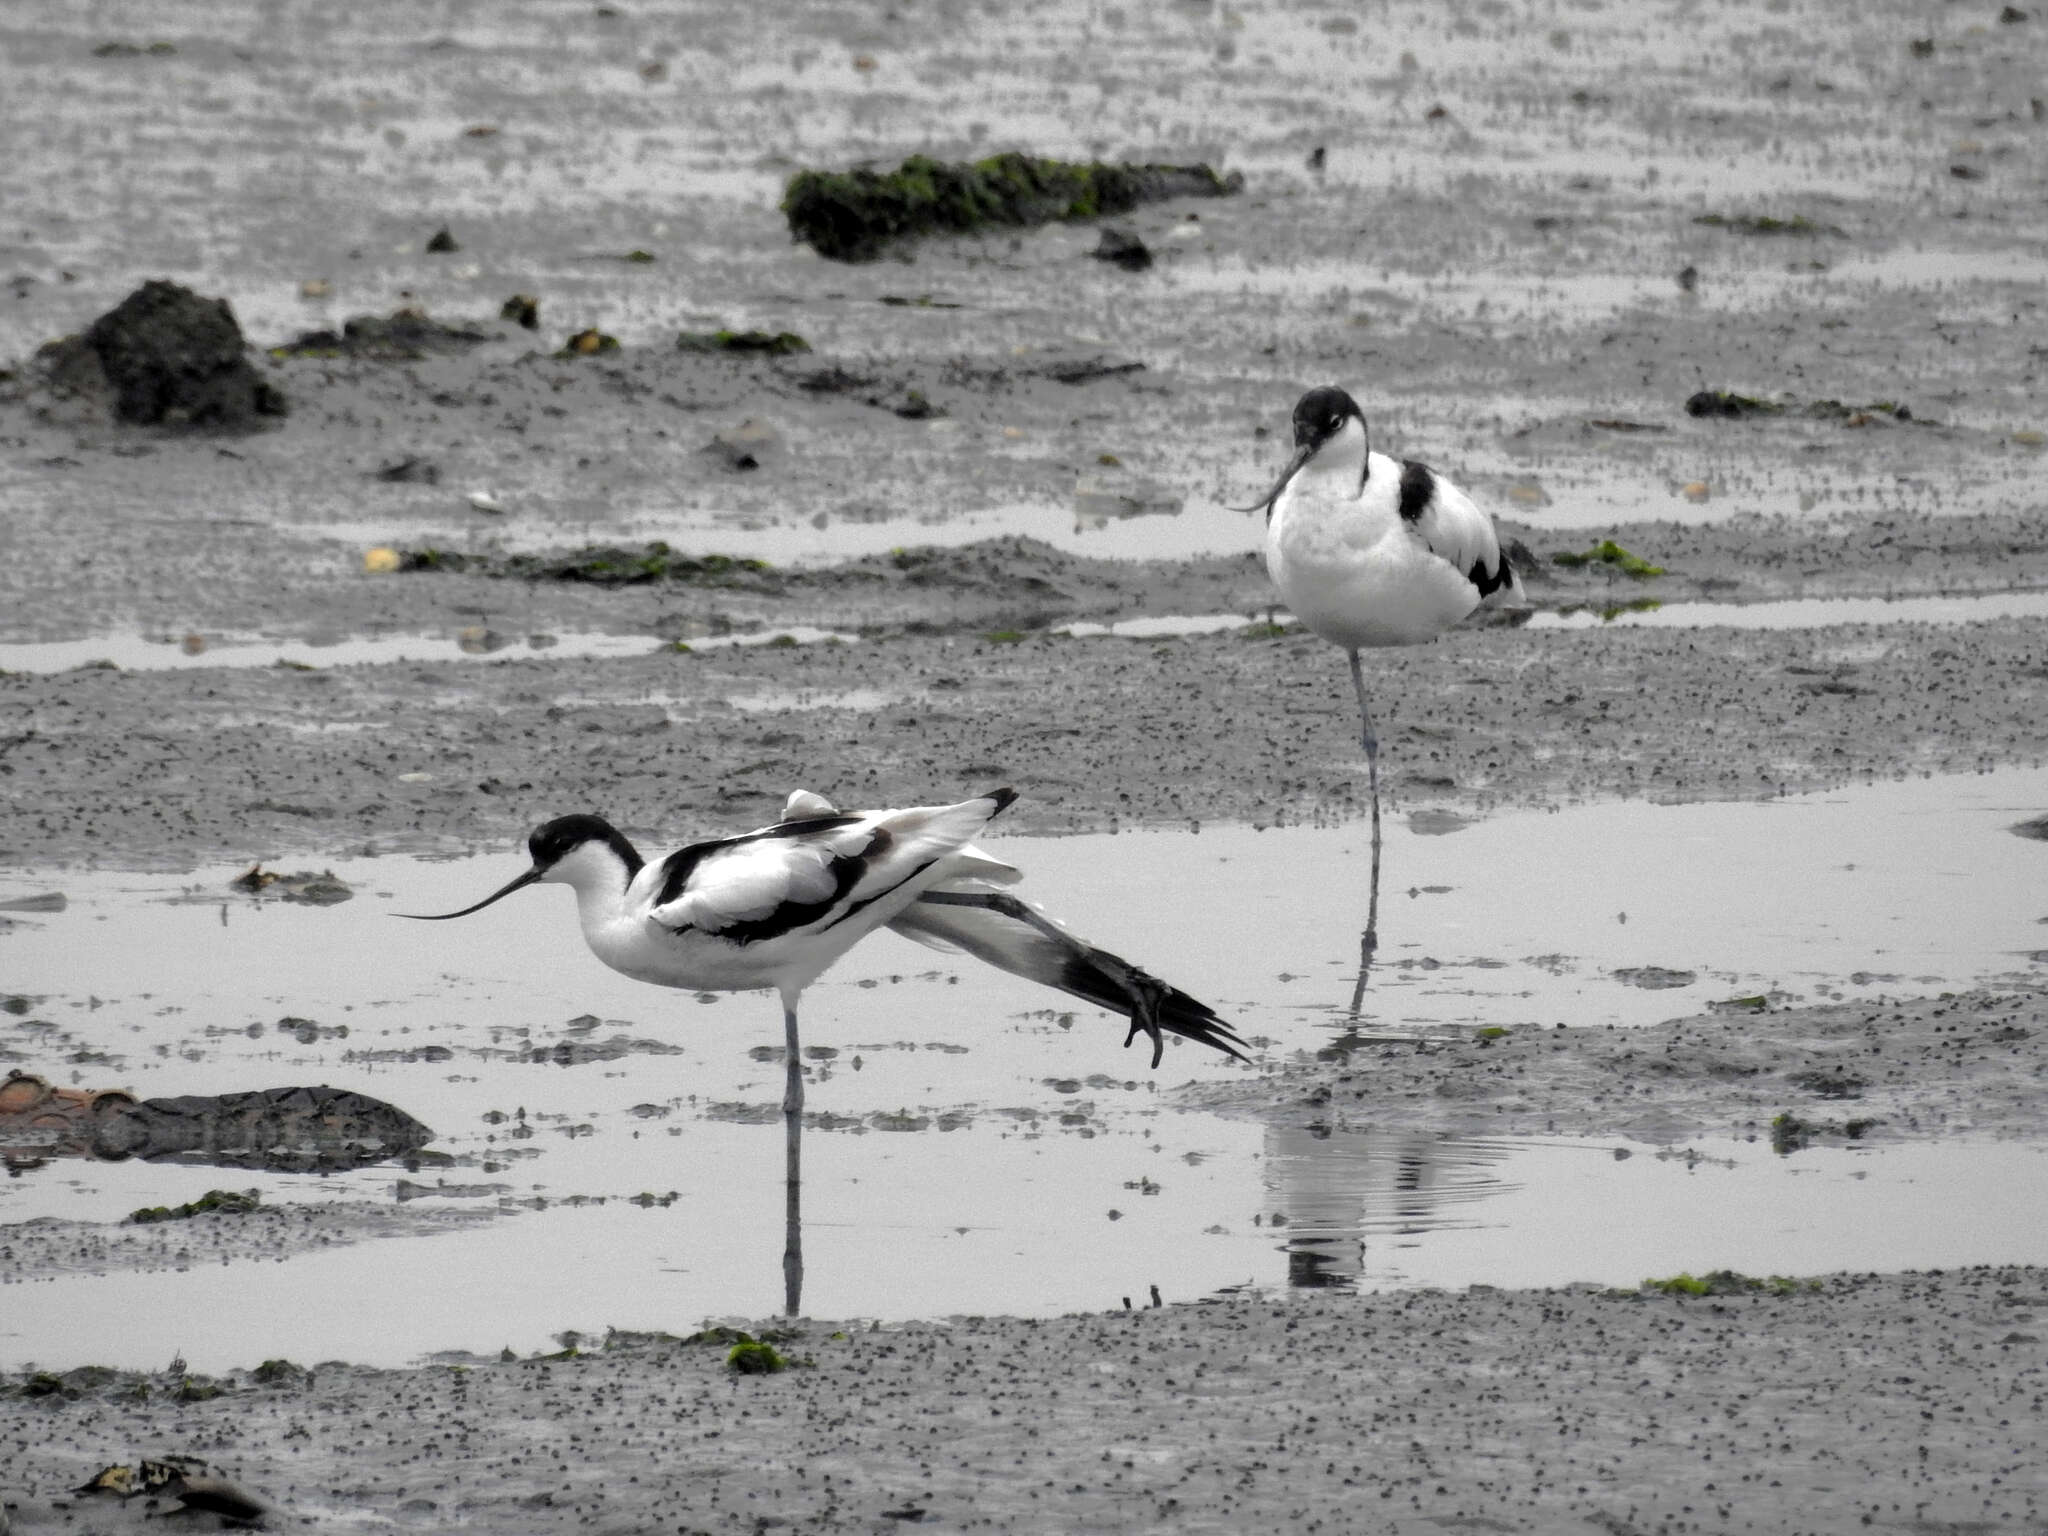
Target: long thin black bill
x,y
1265,503
441,917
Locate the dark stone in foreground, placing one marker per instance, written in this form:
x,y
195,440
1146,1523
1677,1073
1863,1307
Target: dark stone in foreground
x,y
169,358
853,215
297,1128
1124,249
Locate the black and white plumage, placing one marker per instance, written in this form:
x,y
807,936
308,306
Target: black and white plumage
x,y
1372,551
777,906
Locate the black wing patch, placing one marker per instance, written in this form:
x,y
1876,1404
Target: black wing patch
x,y
1418,488
1489,583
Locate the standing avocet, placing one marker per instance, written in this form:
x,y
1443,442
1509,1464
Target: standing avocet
x,y
1371,551
777,906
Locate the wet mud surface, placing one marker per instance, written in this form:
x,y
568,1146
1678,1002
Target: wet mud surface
x,y
1970,1065
1483,1411
1523,239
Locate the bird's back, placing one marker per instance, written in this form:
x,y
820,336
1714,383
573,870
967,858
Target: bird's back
x,y
777,906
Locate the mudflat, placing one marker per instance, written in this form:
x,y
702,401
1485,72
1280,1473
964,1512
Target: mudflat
x,y
1752,292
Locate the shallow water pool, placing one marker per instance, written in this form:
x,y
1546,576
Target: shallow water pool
x,y
976,1146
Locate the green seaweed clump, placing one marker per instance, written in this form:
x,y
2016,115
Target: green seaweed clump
x,y
761,343
226,1202
1765,224
853,215
752,1357
1607,552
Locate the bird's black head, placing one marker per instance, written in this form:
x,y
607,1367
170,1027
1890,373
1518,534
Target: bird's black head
x,y
1320,415
553,841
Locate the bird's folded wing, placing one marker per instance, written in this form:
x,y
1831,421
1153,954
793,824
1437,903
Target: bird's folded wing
x,y
765,884
1452,527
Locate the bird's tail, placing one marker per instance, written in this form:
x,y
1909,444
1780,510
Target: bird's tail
x,y
1504,588
995,926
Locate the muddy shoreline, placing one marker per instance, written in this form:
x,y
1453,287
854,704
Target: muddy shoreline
x,y
1484,1410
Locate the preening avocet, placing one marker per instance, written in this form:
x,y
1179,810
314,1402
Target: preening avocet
x,y
1371,551
777,906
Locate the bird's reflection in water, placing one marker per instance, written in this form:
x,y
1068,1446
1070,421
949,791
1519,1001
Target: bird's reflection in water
x,y
1334,1194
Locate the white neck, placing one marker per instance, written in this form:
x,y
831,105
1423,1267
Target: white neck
x,y
1343,454
598,876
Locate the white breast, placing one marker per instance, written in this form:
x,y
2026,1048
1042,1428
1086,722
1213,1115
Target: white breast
x,y
1353,569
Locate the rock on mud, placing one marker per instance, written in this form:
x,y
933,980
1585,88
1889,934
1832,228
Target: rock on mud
x,y
165,356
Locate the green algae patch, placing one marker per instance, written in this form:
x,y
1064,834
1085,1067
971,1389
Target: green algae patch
x,y
755,1358
1799,225
854,215
226,1202
756,343
1609,553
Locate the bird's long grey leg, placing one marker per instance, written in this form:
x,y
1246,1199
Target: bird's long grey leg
x,y
1141,988
1368,941
793,1131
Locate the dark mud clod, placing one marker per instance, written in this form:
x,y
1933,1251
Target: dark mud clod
x,y
1721,402
523,309
443,243
411,470
168,358
1726,1282
604,565
762,343
405,335
854,215
1121,248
